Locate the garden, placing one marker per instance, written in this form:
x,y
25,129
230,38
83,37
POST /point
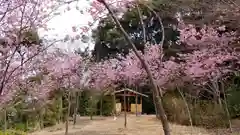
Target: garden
x,y
181,56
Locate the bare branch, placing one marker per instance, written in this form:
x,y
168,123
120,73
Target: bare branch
x,y
6,70
142,23
30,58
5,13
161,24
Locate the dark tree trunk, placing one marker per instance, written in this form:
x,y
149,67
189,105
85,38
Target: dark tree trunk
x,y
76,108
68,113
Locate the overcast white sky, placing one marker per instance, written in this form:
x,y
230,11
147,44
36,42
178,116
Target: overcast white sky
x,y
62,25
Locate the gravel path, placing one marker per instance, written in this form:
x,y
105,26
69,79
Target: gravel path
x,y
141,125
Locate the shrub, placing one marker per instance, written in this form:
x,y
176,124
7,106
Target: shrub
x,y
175,109
207,114
107,106
50,118
84,103
20,126
203,112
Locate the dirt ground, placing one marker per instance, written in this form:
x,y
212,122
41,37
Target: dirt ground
x,y
141,125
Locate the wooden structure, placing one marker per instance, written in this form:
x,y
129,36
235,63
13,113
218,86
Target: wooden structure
x,y
129,101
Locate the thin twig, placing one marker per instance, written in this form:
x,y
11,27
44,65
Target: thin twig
x,y
6,70
226,106
161,24
163,35
30,58
188,110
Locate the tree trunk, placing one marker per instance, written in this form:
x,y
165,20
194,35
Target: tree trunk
x,y
125,109
159,104
37,121
5,121
76,109
41,118
68,113
60,108
220,101
101,104
156,107
26,122
91,108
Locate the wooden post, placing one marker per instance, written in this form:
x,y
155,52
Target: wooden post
x,y
114,103
141,104
125,109
136,103
128,98
91,107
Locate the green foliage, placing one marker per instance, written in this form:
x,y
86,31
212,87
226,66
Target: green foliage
x,y
109,41
31,36
25,117
50,117
233,94
107,106
233,101
13,132
84,103
92,106
20,126
175,109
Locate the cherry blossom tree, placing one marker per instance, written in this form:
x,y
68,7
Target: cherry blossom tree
x,y
213,56
16,19
66,69
103,74
210,52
